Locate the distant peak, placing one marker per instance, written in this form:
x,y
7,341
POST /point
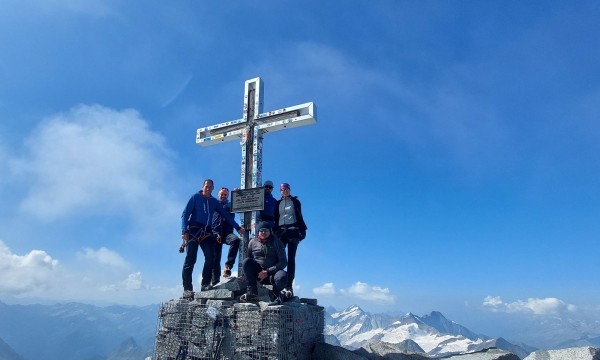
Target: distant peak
x,y
353,308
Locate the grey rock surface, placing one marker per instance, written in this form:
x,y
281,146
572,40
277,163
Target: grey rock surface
x,y
216,294
580,353
383,348
490,354
323,351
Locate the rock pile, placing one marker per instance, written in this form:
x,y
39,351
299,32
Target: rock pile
x,y
215,325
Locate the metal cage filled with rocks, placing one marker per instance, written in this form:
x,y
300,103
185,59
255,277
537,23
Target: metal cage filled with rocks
x,y
217,329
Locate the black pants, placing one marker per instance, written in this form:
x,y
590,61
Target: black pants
x,y
251,270
234,245
290,238
208,249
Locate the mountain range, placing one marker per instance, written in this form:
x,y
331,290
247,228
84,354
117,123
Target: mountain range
x,y
75,331
432,335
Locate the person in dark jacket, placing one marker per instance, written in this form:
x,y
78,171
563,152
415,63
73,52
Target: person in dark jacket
x,y
264,263
290,229
268,213
223,232
196,221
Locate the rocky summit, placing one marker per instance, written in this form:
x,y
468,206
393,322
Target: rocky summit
x,y
217,325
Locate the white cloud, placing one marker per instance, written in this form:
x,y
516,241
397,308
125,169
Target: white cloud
x,y
96,160
38,275
492,301
536,306
325,289
370,293
133,281
358,290
104,256
21,274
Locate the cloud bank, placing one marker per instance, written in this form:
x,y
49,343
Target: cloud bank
x,y
95,160
358,290
100,275
104,256
536,306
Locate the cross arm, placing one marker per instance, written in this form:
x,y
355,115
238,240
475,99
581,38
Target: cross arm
x,y
294,116
227,131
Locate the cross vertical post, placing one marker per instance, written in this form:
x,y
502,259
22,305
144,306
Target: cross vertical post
x,y
250,129
251,172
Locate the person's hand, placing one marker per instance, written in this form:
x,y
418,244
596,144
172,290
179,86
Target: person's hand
x,y
241,230
185,236
262,275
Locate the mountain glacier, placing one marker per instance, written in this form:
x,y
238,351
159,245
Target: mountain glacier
x,y
433,334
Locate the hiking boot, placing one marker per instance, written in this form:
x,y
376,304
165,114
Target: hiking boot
x,y
287,294
249,298
227,271
188,295
276,302
206,287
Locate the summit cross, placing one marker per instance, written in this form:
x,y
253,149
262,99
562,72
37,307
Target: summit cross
x,y
250,130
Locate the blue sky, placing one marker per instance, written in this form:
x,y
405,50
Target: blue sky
x,y
454,165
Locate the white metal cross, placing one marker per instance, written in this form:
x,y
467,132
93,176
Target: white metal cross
x,y
250,129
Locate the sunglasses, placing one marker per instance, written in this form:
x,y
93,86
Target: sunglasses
x,y
264,230
268,187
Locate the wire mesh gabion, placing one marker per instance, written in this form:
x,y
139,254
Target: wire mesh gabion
x,y
229,330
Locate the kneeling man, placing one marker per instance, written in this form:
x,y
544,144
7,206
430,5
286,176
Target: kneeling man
x,y
264,263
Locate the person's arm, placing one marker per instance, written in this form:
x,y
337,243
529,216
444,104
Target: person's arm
x,y
186,215
276,226
281,258
227,216
299,217
217,223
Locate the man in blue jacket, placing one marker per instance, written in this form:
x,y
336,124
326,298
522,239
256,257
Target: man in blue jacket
x,y
196,221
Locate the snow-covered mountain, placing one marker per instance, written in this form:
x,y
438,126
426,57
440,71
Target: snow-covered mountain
x,y
353,327
433,334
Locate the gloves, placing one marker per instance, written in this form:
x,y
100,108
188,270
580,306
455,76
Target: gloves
x,y
302,234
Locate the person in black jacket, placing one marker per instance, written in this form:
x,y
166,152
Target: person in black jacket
x,y
223,232
290,229
268,213
264,263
